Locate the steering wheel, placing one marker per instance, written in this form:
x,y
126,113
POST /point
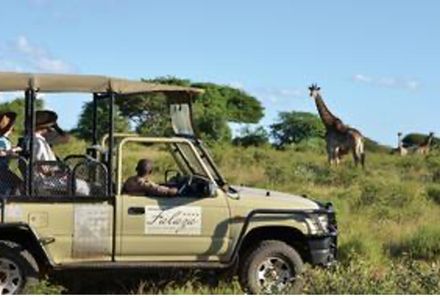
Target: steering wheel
x,y
186,184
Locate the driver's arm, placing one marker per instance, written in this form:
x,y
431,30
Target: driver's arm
x,y
154,189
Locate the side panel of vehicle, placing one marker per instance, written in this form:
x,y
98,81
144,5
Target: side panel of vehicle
x,y
287,222
173,229
68,231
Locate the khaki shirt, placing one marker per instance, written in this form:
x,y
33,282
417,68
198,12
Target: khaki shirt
x,y
136,185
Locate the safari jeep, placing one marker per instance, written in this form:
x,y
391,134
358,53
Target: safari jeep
x,y
262,235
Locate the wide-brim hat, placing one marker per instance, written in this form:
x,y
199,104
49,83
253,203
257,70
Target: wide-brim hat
x,y
47,119
7,120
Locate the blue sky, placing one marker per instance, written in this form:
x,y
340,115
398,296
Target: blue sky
x,y
377,62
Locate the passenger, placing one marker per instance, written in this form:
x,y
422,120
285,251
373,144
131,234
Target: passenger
x,y
10,183
51,177
141,184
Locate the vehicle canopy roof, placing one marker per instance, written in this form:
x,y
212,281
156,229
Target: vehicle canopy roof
x,y
74,83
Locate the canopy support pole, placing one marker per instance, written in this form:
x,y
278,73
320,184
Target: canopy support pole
x,y
111,126
29,134
95,120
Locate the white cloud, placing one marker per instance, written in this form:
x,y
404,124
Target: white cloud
x,y
22,55
277,95
39,57
388,81
362,78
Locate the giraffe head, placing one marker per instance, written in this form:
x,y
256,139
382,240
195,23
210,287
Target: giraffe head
x,y
314,91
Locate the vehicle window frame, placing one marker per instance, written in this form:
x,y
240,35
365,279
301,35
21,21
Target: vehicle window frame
x,y
152,140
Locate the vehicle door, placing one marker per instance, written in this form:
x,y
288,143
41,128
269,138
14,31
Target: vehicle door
x,y
183,228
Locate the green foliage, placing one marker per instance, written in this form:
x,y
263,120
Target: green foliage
x,y
422,244
239,106
85,123
17,106
387,218
212,111
389,199
433,192
417,139
360,277
373,146
294,127
313,144
149,113
248,137
44,287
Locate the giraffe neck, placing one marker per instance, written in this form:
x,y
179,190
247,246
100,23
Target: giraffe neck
x,y
326,116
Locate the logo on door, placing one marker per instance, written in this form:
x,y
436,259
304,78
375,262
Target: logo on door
x,y
181,220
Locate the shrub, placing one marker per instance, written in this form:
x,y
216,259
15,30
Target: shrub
x,y
422,244
360,277
433,193
362,246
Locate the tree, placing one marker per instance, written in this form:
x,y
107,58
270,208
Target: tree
x,y
414,139
85,123
17,105
212,111
294,127
252,137
149,113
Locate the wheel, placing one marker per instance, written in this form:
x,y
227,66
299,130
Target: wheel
x,y
16,271
272,268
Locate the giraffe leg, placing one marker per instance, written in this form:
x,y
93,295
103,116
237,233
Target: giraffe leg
x,y
330,154
336,156
356,157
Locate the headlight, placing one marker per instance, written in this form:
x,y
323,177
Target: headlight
x,y
318,224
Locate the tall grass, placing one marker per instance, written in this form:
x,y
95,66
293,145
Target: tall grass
x,y
388,214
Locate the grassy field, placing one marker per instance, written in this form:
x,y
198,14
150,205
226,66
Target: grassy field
x,y
388,221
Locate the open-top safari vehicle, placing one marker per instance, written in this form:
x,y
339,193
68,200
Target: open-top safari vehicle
x,y
263,236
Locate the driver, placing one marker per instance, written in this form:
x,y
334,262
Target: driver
x,y
140,184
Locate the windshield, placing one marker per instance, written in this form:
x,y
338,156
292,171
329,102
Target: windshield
x,y
210,164
181,119
189,158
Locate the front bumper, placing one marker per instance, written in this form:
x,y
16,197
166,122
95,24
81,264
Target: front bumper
x,y
323,248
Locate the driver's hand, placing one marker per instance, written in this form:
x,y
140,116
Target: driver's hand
x,y
173,192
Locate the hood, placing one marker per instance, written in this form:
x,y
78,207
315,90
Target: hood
x,y
273,199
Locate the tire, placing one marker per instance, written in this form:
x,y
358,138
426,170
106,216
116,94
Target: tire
x,y
272,268
16,269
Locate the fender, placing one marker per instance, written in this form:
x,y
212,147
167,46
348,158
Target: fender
x,y
24,235
327,209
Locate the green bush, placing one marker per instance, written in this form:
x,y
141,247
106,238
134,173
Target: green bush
x,y
422,244
433,193
360,277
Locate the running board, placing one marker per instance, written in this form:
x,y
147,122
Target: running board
x,y
141,265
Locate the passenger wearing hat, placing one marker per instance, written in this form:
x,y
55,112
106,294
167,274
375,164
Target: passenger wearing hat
x,y
45,126
9,181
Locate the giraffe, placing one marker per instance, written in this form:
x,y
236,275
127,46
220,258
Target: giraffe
x,y
400,149
424,148
340,138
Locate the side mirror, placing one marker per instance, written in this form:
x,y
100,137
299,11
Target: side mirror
x,y
233,193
